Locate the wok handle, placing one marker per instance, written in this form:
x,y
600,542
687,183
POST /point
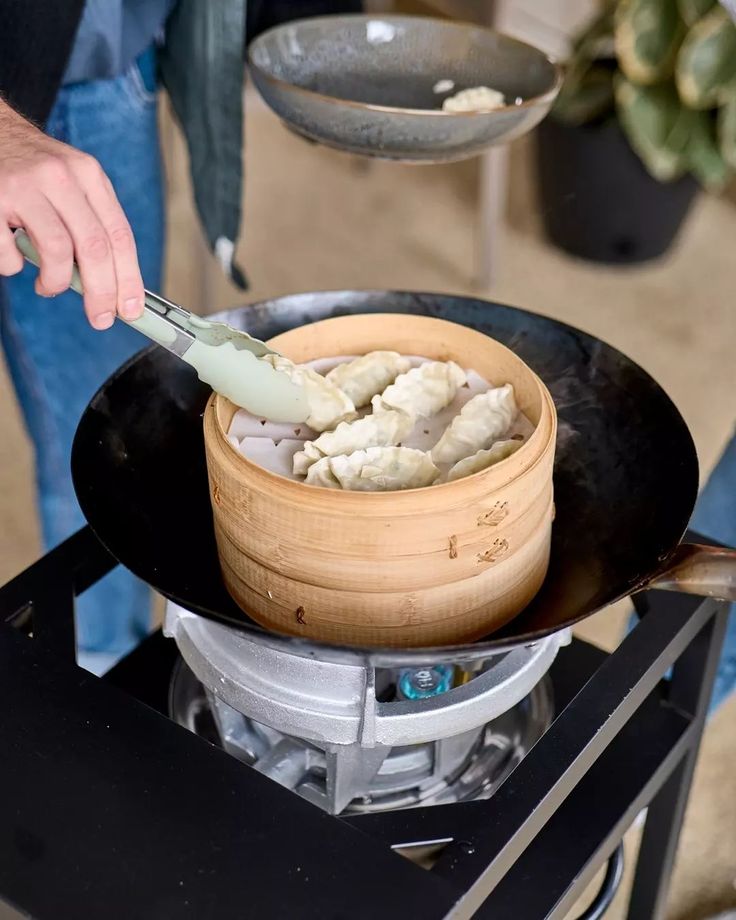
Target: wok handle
x,y
709,571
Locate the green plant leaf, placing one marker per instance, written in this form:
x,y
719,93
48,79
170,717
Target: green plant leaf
x,y
589,99
587,89
600,29
656,125
706,64
727,132
692,10
706,162
647,34
576,72
595,41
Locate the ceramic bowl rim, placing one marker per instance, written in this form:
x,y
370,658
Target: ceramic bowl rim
x,y
532,102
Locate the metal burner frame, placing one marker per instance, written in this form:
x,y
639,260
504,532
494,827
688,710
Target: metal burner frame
x,y
110,809
470,765
336,704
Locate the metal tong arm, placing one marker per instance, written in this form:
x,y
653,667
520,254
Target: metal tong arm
x,y
176,317
188,326
163,321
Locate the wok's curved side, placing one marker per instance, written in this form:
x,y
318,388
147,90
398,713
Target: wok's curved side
x,y
626,472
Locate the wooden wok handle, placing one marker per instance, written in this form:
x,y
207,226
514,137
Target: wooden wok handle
x,y
709,571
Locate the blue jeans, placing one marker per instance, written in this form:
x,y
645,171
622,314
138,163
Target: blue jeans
x,y
57,362
715,517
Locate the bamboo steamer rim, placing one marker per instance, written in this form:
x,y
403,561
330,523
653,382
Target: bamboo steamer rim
x,y
377,500
216,401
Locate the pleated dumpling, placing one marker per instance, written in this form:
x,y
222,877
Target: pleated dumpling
x,y
364,377
327,402
475,99
377,469
482,420
422,391
482,459
383,430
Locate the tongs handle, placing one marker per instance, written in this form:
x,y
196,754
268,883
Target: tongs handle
x,y
153,323
225,358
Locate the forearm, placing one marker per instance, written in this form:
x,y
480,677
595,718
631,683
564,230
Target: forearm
x,y
15,131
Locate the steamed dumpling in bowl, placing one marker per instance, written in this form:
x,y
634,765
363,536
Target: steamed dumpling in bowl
x,y
475,99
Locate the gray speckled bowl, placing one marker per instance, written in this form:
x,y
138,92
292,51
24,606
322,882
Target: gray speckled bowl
x,y
369,84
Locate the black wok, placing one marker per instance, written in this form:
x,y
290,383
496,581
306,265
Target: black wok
x,y
626,472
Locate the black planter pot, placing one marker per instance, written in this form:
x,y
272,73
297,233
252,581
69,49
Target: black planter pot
x,y
597,199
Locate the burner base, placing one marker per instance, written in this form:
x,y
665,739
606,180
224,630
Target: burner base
x,y
467,766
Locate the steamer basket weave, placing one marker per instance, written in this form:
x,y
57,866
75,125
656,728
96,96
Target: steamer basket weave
x,y
444,564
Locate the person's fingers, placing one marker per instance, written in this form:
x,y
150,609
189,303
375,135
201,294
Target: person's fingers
x,y
92,247
71,212
102,198
52,241
11,261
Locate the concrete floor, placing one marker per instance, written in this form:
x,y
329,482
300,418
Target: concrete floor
x,y
316,219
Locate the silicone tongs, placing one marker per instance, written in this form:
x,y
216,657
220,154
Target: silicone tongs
x,y
223,357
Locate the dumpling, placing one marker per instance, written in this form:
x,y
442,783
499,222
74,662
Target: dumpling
x,y
482,420
475,99
423,390
328,404
483,459
381,430
320,474
382,469
369,374
377,469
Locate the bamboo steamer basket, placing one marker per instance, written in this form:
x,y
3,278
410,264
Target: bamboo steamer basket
x,y
421,567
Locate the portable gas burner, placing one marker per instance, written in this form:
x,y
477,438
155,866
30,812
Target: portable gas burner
x,y
348,732
486,771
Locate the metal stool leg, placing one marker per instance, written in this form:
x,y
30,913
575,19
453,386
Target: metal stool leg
x,y
491,206
691,687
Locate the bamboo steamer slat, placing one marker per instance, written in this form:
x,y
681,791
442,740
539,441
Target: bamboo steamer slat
x,y
436,616
456,559
447,563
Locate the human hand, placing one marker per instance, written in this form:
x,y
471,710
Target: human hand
x,y
67,206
